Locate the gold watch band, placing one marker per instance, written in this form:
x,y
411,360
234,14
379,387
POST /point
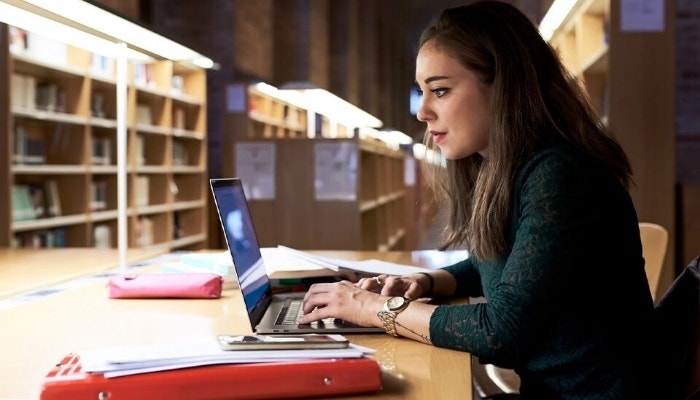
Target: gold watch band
x,y
388,319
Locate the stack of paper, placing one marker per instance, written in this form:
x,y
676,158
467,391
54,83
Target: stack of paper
x,y
130,360
285,259
286,262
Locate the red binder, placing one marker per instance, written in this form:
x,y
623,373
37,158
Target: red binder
x,y
278,380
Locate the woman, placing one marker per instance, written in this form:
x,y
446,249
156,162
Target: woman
x,y
536,190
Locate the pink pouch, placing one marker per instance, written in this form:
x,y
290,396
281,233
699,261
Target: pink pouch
x,y
188,285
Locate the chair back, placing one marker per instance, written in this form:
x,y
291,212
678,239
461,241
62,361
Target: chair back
x,y
654,246
677,320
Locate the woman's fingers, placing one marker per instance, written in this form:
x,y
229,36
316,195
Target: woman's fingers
x,y
373,284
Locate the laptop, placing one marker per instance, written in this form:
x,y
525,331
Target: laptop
x,y
268,313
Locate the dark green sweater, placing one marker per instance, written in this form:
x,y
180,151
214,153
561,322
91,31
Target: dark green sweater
x,y
568,306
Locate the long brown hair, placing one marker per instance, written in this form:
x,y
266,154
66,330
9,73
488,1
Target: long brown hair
x,y
534,102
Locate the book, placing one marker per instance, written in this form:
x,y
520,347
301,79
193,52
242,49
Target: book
x,y
180,155
18,40
140,150
53,199
101,236
101,151
319,378
142,194
98,195
144,114
22,203
17,94
144,231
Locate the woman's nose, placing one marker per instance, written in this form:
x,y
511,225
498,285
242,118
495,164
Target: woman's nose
x,y
423,113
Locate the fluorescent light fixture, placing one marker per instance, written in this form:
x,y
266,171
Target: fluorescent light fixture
x,y
394,138
100,24
555,17
46,27
331,106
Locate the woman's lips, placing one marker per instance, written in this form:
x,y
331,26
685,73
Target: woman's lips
x,y
438,136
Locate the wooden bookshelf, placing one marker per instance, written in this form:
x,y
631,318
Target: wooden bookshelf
x,y
327,194
63,141
315,183
629,74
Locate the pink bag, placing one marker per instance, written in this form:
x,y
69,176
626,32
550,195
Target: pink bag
x,y
189,285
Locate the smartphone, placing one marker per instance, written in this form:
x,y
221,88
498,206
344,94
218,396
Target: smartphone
x,y
282,342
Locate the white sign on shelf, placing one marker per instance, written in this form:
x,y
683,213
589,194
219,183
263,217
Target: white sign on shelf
x,y
642,15
335,165
255,165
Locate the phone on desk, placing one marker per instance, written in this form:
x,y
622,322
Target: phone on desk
x,y
282,342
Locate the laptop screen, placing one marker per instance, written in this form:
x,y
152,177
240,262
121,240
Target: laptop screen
x,y
242,242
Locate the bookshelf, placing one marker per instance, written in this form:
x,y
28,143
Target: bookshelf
x,y
629,74
318,183
60,153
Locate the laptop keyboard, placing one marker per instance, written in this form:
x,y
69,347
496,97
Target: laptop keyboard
x,y
292,311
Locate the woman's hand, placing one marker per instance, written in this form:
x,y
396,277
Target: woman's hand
x,y
343,300
411,286
359,303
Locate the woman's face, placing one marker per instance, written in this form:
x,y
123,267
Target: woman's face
x,y
455,104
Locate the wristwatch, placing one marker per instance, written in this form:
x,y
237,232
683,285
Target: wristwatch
x,y
392,308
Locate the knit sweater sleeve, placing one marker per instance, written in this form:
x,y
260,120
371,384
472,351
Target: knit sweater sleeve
x,y
558,205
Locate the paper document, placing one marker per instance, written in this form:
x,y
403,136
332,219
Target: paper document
x,y
370,266
130,360
283,259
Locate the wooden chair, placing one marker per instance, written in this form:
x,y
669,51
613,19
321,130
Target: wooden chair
x,y
654,246
491,382
494,383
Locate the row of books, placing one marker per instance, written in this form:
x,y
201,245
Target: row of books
x,y
46,238
28,146
144,76
56,237
28,92
180,154
35,200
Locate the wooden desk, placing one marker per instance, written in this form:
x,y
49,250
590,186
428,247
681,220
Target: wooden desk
x,y
24,270
36,334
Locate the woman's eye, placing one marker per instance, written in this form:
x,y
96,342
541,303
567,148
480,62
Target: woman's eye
x,y
439,92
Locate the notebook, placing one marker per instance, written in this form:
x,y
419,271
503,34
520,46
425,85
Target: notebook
x,y
269,313
317,378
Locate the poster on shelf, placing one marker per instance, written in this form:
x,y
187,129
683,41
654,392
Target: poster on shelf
x,y
255,165
642,15
335,171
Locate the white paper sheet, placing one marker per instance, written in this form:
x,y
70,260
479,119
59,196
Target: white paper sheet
x,y
129,360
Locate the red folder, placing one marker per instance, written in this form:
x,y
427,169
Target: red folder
x,y
278,380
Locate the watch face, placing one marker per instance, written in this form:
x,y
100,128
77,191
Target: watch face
x,y
394,303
